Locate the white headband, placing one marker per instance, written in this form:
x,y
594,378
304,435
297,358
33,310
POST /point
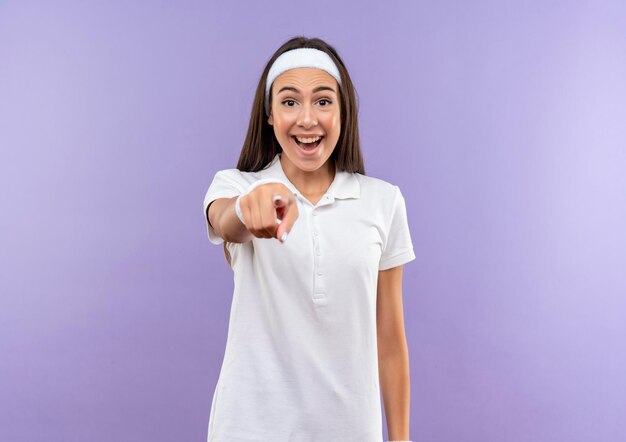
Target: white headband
x,y
299,58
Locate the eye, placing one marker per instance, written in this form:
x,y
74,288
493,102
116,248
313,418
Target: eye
x,y
292,101
327,101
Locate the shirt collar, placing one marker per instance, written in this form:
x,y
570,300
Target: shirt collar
x,y
344,185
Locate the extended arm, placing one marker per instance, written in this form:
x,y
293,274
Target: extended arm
x,y
224,220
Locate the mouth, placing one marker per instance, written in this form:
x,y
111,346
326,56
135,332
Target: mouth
x,y
308,147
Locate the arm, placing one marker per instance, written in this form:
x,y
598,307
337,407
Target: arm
x,y
393,354
224,220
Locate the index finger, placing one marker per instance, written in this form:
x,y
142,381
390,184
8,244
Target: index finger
x,y
289,218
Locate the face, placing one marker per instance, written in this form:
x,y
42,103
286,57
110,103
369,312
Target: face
x,y
305,103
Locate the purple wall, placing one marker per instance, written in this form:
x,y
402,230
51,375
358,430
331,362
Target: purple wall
x,y
504,123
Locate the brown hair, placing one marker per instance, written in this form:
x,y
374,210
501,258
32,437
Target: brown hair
x,y
261,146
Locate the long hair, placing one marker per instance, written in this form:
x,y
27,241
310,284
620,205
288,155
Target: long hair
x,y
261,145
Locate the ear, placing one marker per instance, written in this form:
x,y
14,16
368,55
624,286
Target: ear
x,y
270,119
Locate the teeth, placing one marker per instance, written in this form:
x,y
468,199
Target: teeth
x,y
308,140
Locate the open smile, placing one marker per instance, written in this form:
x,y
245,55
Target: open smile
x,y
310,147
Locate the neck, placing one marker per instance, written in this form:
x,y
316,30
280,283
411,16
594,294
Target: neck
x,y
313,183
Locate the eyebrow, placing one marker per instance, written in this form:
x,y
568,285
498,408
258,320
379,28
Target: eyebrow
x,y
317,89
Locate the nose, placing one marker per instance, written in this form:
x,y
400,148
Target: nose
x,y
307,117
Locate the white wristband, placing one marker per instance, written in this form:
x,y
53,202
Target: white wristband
x,y
248,190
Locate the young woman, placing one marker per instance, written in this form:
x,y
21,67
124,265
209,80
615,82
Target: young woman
x,y
317,249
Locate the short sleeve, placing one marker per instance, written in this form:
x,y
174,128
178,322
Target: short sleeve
x,y
226,183
397,247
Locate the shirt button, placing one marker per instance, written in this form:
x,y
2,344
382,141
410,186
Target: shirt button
x,y
314,213
319,273
316,233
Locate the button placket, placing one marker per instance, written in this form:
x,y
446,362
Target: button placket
x,y
319,290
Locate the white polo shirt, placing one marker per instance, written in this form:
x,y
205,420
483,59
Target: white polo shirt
x,y
301,358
